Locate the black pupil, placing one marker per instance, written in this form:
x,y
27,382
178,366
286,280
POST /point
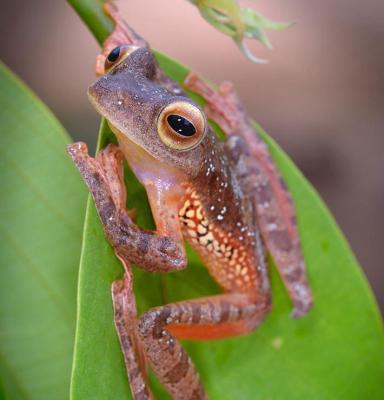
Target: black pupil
x,y
181,125
114,54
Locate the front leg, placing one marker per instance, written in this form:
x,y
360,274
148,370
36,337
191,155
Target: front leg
x,y
152,251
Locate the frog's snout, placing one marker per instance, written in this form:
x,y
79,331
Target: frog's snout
x,y
98,95
92,94
93,90
99,92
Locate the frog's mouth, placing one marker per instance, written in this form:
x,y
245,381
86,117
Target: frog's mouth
x,y
102,98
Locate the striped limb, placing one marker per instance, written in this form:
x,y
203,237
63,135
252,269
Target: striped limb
x,y
125,315
206,318
276,214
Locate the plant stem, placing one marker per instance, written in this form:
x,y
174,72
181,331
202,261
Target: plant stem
x,y
91,12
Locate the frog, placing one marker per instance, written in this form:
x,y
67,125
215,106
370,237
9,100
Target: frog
x,y
226,198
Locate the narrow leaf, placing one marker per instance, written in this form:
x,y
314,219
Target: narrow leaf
x,y
335,352
41,217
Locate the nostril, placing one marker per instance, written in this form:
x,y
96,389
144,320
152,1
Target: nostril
x,y
92,90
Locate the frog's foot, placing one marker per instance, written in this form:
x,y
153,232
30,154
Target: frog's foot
x,y
121,35
125,315
222,106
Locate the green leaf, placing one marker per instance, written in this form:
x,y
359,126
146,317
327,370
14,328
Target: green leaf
x,y
41,218
335,352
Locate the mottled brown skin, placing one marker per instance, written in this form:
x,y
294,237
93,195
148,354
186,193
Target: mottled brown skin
x,y
226,198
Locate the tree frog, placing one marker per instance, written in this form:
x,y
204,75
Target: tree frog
x,y
226,198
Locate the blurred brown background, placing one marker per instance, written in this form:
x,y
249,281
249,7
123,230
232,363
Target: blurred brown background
x,y
321,96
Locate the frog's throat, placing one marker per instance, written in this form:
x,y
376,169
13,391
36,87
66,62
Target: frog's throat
x,y
148,169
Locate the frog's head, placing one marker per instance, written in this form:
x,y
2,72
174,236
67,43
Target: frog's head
x,y
170,128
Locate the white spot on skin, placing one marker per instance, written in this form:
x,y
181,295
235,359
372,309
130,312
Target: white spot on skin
x,y
272,226
201,229
119,102
212,208
220,217
199,215
190,223
223,210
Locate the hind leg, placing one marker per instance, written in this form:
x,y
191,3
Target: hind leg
x,y
125,316
206,318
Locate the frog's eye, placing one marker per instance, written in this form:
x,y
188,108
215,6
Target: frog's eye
x,y
117,55
181,125
114,54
